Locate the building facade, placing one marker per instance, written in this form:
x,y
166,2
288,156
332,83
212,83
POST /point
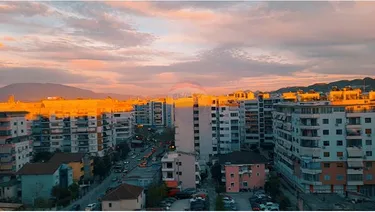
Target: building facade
x,y
15,141
243,171
326,146
125,197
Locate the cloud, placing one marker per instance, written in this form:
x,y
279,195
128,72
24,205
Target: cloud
x,y
10,75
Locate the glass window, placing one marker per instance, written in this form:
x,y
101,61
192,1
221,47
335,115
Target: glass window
x,y
339,143
369,142
340,154
325,132
326,154
338,132
327,177
339,177
326,165
367,120
326,143
325,121
338,121
368,153
369,177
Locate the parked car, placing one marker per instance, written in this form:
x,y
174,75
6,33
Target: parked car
x,y
170,200
228,200
230,206
126,162
164,204
76,208
183,195
255,207
91,207
198,205
115,179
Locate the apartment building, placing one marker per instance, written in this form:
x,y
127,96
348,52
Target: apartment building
x,y
123,125
327,146
225,126
256,120
155,113
180,170
15,141
243,170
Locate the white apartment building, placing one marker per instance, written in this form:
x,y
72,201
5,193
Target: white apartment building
x,y
225,127
123,125
327,146
256,120
180,170
15,141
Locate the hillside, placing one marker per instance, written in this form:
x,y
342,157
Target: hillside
x,y
38,91
324,87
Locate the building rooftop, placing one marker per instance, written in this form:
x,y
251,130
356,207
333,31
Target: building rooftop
x,y
62,157
242,158
10,206
124,191
146,172
38,169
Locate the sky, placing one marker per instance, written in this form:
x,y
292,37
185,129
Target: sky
x,y
148,48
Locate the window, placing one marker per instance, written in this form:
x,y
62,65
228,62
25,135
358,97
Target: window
x,y
326,165
368,153
258,174
169,165
326,143
325,121
338,132
244,184
232,184
325,132
15,123
369,142
21,131
367,120
257,166
340,154
169,174
369,177
21,122
368,131
339,143
178,163
110,205
339,177
326,154
232,175
339,165
327,177
338,121
368,164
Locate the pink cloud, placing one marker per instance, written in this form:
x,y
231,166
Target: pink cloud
x,y
8,38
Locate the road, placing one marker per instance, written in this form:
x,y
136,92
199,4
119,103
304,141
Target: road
x,y
93,195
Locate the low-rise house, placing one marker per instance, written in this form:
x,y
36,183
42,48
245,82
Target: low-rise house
x,y
125,197
243,170
38,179
81,164
144,177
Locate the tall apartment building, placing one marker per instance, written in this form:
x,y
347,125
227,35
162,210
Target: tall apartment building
x,y
15,141
156,113
256,120
123,125
225,126
327,146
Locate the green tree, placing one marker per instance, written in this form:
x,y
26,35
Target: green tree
x,y
155,194
123,149
100,167
42,157
216,172
220,189
284,203
61,195
219,204
272,186
74,190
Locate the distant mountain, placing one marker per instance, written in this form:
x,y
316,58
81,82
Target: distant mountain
x,y
324,87
38,91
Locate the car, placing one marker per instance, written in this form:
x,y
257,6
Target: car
x,y
230,206
114,179
139,159
228,200
255,207
170,200
76,208
90,207
134,156
126,162
124,171
165,204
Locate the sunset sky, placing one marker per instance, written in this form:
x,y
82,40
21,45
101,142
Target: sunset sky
x,y
149,47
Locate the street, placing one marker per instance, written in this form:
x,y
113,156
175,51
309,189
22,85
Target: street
x,y
93,195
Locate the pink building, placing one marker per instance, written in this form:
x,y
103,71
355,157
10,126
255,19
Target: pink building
x,y
243,170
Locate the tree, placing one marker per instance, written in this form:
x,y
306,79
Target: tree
x,y
272,186
219,204
42,157
220,189
123,149
284,203
100,167
155,194
74,190
41,203
62,195
216,172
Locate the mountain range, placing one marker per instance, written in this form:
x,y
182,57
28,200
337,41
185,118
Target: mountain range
x,y
367,83
38,91
28,92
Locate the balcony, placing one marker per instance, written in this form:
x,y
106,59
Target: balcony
x,y
355,182
308,182
168,179
244,170
167,169
355,153
309,170
309,115
223,179
310,151
223,170
354,171
309,125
